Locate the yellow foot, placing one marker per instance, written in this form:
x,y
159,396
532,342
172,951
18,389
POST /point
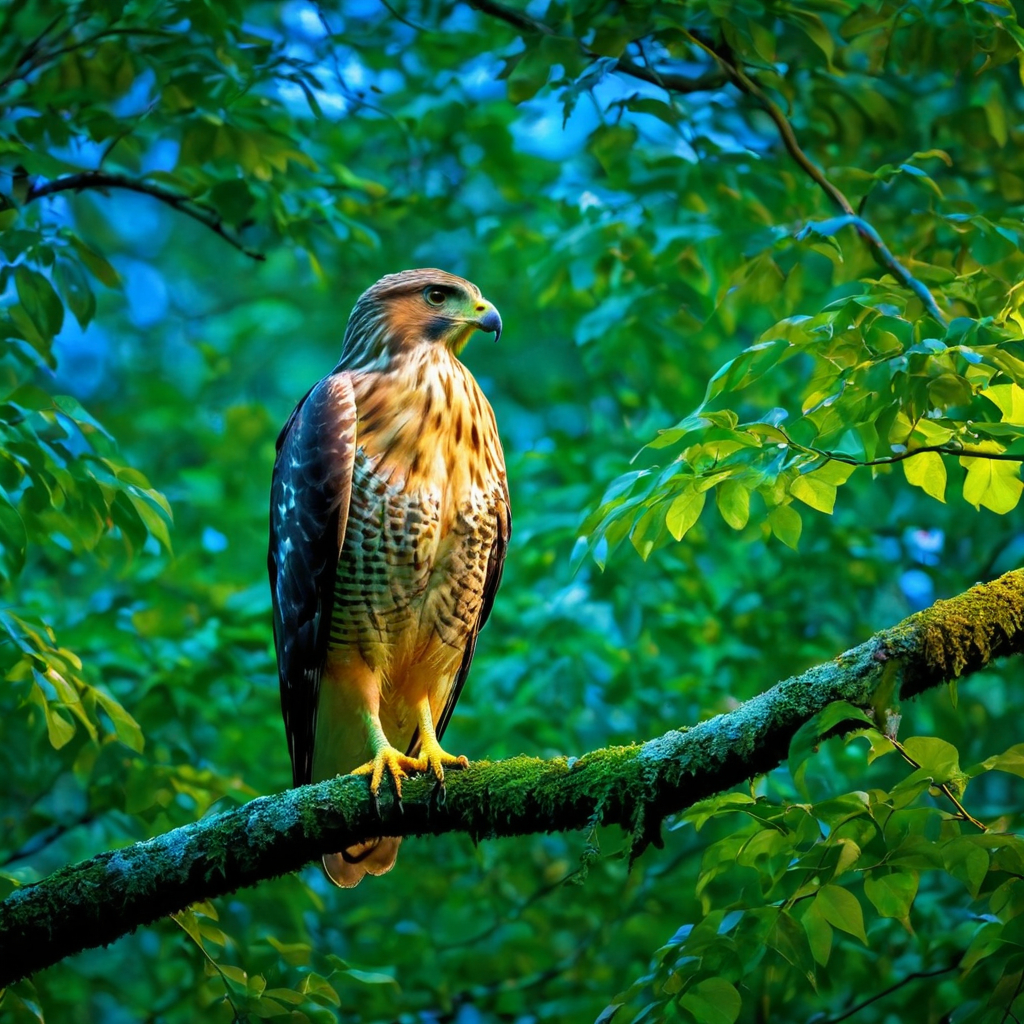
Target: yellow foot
x,y
395,762
433,759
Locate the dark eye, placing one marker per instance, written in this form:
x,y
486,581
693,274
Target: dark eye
x,y
435,296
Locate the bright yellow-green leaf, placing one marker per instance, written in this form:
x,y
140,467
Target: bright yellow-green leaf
x,y
996,485
937,757
1009,399
812,491
1011,761
734,503
834,472
58,728
842,910
928,472
786,524
684,511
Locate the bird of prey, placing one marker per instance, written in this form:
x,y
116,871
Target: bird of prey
x,y
389,521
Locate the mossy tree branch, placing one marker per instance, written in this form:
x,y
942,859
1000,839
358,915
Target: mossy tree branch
x,y
93,903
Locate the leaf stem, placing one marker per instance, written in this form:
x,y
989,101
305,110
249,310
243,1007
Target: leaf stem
x,y
964,813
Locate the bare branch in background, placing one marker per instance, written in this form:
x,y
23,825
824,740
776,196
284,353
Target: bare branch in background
x,y
101,180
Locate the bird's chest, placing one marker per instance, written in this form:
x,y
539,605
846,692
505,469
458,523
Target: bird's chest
x,y
414,557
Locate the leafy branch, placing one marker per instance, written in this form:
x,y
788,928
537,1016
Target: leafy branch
x,y
36,56
636,787
102,180
960,451
733,72
879,250
667,80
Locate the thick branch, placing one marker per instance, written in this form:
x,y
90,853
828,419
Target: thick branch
x,y
92,903
101,180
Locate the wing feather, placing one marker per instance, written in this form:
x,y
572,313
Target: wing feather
x,y
309,503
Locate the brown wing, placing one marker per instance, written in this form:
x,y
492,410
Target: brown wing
x,y
495,565
309,501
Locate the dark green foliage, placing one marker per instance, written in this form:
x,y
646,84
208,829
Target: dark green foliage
x,y
678,274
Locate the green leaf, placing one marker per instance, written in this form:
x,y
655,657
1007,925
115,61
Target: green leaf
x,y
936,757
807,738
127,729
59,729
892,894
967,861
684,511
816,31
74,289
1011,761
996,485
786,524
927,471
734,503
814,492
713,1001
40,302
97,265
1009,399
842,910
370,977
319,989
819,933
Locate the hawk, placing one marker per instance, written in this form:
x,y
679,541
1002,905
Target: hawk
x,y
389,522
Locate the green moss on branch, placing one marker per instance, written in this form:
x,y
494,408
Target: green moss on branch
x,y
92,903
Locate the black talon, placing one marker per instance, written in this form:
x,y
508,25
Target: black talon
x,y
438,793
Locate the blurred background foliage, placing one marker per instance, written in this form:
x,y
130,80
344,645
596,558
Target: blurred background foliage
x,y
193,194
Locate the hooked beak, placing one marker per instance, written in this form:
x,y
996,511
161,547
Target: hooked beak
x,y
488,319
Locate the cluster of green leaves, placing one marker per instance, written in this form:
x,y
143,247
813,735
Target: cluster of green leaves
x,y
821,893
653,252
884,377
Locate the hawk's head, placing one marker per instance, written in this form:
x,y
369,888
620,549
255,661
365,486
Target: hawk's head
x,y
413,308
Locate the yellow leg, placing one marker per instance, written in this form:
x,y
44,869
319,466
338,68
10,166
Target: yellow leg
x,y
386,757
432,758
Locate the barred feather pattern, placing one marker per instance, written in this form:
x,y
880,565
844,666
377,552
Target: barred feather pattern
x,y
426,488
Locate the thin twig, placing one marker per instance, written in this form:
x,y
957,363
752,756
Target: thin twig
x,y
879,250
33,45
39,60
964,813
403,20
667,80
1009,1006
101,180
734,73
887,460
894,988
41,840
176,918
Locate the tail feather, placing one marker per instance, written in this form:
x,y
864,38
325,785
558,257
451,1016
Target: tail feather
x,y
374,857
